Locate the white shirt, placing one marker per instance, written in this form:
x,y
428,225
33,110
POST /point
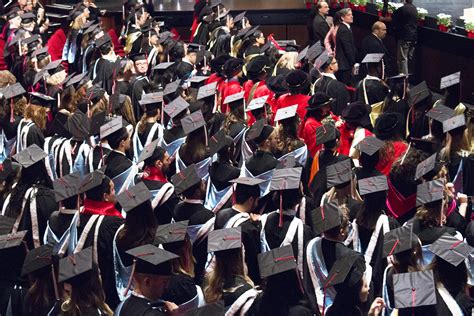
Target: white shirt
x,y
330,75
348,25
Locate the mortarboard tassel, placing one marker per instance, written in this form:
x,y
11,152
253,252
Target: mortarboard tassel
x,y
129,284
12,116
55,283
413,301
280,223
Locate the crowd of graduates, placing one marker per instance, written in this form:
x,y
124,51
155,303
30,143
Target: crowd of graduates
x,y
233,174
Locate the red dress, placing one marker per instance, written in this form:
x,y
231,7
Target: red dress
x,y
384,165
292,99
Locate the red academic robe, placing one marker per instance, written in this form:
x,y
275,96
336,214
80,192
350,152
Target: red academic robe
x,y
292,99
308,133
260,91
384,165
228,88
347,136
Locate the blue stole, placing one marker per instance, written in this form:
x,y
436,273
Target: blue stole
x,y
300,155
122,273
122,181
213,197
202,167
173,147
266,177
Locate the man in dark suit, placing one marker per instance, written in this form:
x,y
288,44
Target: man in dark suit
x,y
373,44
320,25
345,49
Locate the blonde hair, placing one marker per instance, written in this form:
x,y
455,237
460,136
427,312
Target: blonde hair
x,y
287,60
6,78
229,265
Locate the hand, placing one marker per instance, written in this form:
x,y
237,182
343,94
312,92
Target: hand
x,y
376,308
254,217
462,198
339,123
170,307
450,189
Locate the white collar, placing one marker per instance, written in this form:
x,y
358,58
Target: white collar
x,y
187,61
67,211
332,76
193,201
348,25
119,152
372,78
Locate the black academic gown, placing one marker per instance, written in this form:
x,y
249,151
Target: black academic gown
x,y
184,69
376,91
252,50
144,136
139,306
35,135
59,222
116,164
136,92
170,135
196,214
250,239
233,288
104,73
221,173
105,238
163,212
181,289
98,154
234,130
429,234
335,89
260,162
222,44
201,36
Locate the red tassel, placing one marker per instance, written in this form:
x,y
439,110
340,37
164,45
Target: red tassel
x,y
129,284
12,116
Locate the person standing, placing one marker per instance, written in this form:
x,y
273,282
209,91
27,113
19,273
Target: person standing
x,y
346,50
405,21
320,26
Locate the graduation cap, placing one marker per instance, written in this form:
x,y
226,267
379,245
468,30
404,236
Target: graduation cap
x,y
239,17
454,122
37,259
429,192
286,179
42,52
325,217
326,133
68,77
151,98
397,240
242,32
339,173
176,106
91,28
314,51
257,103
323,61
134,197
195,81
233,100
217,142
170,233
440,113
425,166
92,180
67,186
414,289
53,66
12,240
6,169
292,48
77,79
152,260
6,225
13,90
372,58
370,145
165,36
75,264
138,56
105,39
148,150
192,122
259,132
42,74
111,127
251,31
214,309
207,91
399,77
29,156
247,181
40,99
171,87
419,92
185,179
27,17
372,184
276,261
163,65
450,80
97,120
451,249
347,270
302,54
194,48
224,239
286,113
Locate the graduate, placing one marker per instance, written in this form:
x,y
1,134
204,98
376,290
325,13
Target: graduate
x,y
372,89
104,68
186,67
232,70
298,84
138,85
234,123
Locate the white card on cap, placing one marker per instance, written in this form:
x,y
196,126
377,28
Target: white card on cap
x,y
372,58
257,103
450,80
286,112
454,122
234,97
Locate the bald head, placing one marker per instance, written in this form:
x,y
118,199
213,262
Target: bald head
x,y
379,29
322,7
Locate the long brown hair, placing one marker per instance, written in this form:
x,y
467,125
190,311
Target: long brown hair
x,y
194,149
139,228
229,264
87,292
234,116
37,114
41,293
287,134
126,111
